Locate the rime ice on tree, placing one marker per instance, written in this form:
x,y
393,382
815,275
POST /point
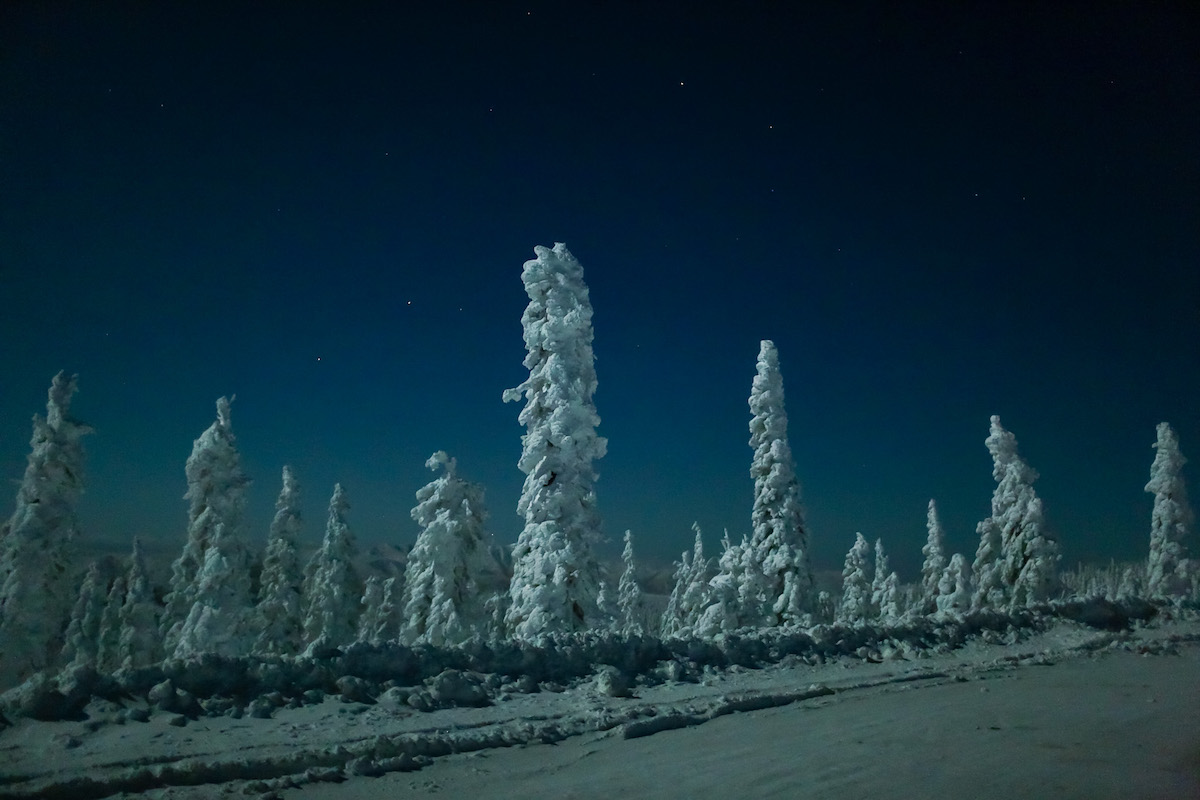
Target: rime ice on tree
x,y
441,602
856,584
281,630
725,612
954,596
690,593
139,644
219,619
779,542
332,588
1171,516
629,594
555,574
35,585
216,497
82,639
935,560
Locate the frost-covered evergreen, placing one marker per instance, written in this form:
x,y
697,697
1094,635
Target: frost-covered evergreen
x,y
988,590
555,574
779,543
442,602
108,648
888,599
35,543
220,620
140,644
856,584
216,498
372,607
280,626
690,593
1171,517
82,639
935,560
332,588
954,596
725,609
879,579
630,603
1028,560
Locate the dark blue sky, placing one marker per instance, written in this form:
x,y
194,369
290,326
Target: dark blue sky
x,y
937,212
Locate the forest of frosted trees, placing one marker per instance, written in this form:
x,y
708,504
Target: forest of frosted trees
x,y
227,599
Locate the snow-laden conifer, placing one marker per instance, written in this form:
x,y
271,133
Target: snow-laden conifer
x,y
216,498
332,588
108,647
779,542
879,579
986,569
220,620
36,591
278,612
954,595
1028,562
690,595
888,599
372,607
555,574
82,639
140,644
1171,516
856,584
935,560
725,609
629,594
442,602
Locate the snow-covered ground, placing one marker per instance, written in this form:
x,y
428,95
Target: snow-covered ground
x,y
1070,711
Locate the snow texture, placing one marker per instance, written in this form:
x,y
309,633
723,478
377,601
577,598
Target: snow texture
x,y
36,588
280,626
332,587
1171,518
779,546
216,498
555,574
442,603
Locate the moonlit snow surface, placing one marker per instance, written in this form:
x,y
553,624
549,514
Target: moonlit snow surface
x,y
1066,712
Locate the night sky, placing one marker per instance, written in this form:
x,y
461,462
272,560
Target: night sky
x,y
937,212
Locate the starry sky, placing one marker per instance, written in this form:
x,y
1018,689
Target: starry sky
x,y
938,212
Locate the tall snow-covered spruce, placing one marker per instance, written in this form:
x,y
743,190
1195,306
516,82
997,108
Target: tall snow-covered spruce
x,y
333,590
1025,570
280,627
556,577
36,592
935,560
442,604
1171,516
216,498
629,593
779,547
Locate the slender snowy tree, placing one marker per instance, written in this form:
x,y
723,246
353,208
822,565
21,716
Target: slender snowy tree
x,y
332,587
442,602
779,542
673,619
140,644
856,584
725,610
879,580
280,626
954,596
108,650
220,617
1171,517
989,591
83,632
629,594
555,574
935,560
216,498
690,593
372,608
36,591
888,599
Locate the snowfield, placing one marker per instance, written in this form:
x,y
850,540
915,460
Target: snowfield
x,y
1049,708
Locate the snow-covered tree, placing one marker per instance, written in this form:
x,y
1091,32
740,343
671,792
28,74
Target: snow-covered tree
x,y
83,632
856,584
442,602
935,560
1029,556
220,618
779,542
690,593
216,498
278,612
629,594
36,591
1171,516
332,587
879,579
108,647
954,596
140,644
555,574
725,609
888,599
989,591
380,620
